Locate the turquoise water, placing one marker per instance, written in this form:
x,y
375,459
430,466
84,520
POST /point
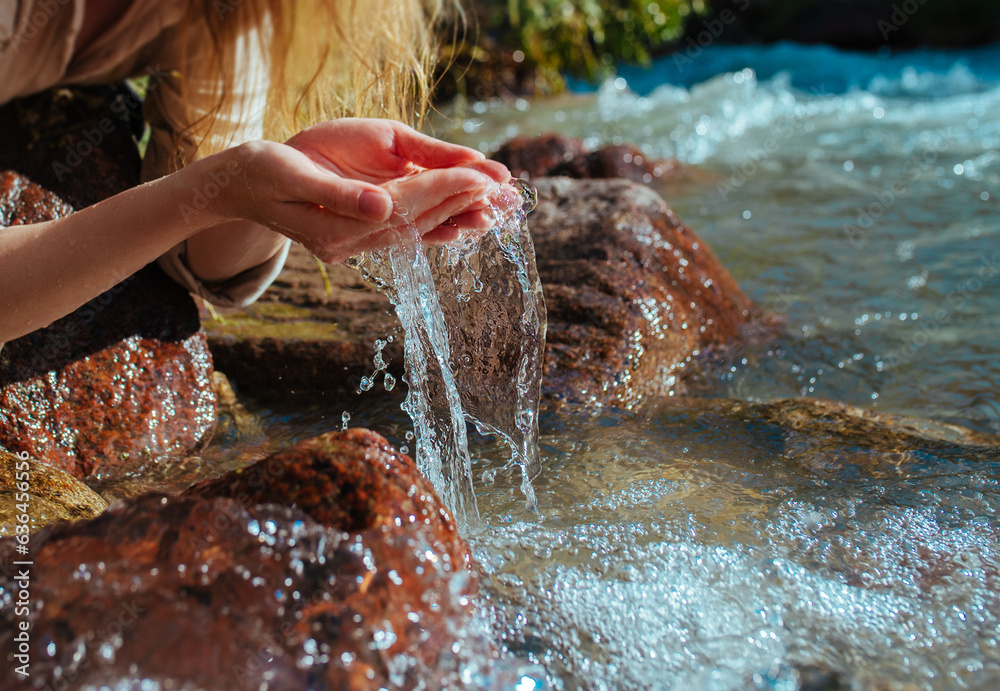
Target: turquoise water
x,y
856,196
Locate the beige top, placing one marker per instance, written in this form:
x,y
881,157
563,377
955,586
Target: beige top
x,y
37,52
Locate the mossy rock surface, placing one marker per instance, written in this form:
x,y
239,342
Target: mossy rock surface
x,y
43,493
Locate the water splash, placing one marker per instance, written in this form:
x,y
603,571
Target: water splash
x,y
381,366
474,319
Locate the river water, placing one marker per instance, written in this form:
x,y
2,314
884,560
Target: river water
x,y
856,195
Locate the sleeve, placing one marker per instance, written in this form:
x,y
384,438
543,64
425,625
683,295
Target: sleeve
x,y
36,43
169,118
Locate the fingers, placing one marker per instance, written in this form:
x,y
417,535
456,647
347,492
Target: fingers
x,y
444,234
492,169
423,198
351,198
429,152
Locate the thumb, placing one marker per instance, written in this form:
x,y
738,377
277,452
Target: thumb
x,y
351,198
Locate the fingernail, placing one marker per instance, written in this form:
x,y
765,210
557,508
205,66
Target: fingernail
x,y
374,205
493,170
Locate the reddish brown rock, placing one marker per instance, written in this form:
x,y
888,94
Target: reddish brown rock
x,y
330,566
559,154
619,161
125,379
354,481
534,157
631,292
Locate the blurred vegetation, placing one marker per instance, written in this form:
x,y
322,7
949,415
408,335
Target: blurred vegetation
x,y
867,24
546,40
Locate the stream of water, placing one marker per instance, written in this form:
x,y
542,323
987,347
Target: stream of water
x,y
856,195
474,322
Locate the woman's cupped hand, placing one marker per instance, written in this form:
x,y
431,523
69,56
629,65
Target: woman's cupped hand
x,y
345,186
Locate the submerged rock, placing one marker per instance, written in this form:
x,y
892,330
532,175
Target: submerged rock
x,y
632,293
831,439
331,565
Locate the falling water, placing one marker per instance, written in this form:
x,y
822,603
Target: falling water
x,y
474,320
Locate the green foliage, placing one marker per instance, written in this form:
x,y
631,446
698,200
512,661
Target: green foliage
x,y
585,37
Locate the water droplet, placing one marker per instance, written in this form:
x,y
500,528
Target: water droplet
x,y
529,195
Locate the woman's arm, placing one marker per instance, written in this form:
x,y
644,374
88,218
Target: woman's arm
x,y
51,268
229,207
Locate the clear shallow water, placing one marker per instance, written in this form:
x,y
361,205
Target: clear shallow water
x,y
678,549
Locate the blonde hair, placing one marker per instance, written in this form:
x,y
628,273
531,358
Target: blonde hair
x,y
326,59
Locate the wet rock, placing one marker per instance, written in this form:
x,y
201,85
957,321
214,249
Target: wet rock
x,y
534,157
300,339
329,566
42,493
125,379
632,294
559,154
351,480
833,440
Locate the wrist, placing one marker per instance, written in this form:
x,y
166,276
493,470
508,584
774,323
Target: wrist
x,y
214,189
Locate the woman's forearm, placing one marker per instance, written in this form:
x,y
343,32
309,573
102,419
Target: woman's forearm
x,y
49,269
333,188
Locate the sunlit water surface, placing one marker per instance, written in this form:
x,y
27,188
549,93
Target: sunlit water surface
x,y
857,195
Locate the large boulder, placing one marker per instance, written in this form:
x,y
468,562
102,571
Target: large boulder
x,y
632,294
332,565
